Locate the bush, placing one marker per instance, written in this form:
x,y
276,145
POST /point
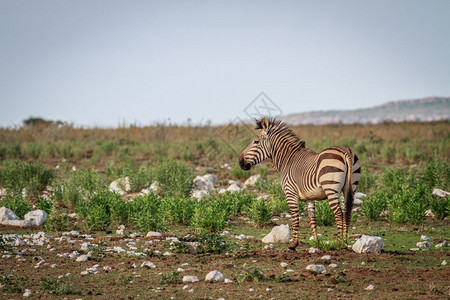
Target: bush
x,y
57,221
440,207
178,211
17,175
409,203
169,278
252,274
145,213
96,212
17,204
236,202
44,204
238,173
436,174
324,214
374,204
174,179
260,212
210,215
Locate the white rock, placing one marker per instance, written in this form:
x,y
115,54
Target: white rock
x,y
148,265
193,247
279,234
251,289
326,258
154,234
28,293
211,177
203,183
444,262
120,232
290,271
82,258
313,250
180,269
7,214
234,188
121,186
284,264
36,217
85,246
74,254
441,193
424,238
315,268
334,266
241,237
443,244
199,194
423,244
368,244
414,249
226,280
268,289
370,287
154,187
189,278
359,195
252,180
214,276
429,213
357,202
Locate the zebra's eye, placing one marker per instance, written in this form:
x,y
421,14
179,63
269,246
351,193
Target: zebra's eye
x,y
256,141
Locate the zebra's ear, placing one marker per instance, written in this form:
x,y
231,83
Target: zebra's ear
x,y
264,123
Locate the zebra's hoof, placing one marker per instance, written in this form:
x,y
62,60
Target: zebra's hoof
x,y
292,246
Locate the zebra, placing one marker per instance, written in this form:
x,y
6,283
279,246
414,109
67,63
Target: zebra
x,y
306,175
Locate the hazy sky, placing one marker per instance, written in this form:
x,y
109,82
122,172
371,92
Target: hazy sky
x,y
103,63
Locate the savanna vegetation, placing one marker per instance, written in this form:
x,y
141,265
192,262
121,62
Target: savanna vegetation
x,y
63,170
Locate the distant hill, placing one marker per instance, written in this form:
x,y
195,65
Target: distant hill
x,y
419,110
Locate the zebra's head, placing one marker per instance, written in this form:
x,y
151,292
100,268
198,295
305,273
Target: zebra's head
x,y
259,149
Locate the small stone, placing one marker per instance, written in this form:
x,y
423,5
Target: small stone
x,y
228,280
278,234
290,271
368,244
326,258
313,250
85,246
268,289
443,244
148,265
330,289
334,266
423,244
370,287
251,289
189,278
414,249
82,258
424,238
180,270
27,293
185,287
241,237
191,291
444,262
284,265
153,234
167,253
214,276
315,268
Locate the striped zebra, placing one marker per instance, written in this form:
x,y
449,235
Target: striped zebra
x,y
305,174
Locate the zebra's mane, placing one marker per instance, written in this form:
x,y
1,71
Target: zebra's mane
x,y
278,127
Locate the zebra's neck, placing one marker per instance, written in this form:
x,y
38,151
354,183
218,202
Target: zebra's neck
x,y
282,152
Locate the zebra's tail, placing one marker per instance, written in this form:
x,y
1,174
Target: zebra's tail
x,y
348,192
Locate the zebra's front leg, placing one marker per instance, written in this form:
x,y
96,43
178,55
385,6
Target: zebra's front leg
x,y
312,217
292,202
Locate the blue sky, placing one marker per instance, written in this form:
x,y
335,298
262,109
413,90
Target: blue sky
x,y
105,63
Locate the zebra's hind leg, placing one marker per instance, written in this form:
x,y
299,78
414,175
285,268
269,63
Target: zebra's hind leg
x,y
333,200
312,217
293,208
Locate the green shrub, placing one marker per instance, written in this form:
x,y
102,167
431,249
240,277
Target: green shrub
x,y
96,211
174,179
210,215
436,174
58,286
57,221
178,211
238,173
146,213
409,203
17,175
374,204
236,203
324,214
12,284
260,212
17,204
44,204
252,274
440,207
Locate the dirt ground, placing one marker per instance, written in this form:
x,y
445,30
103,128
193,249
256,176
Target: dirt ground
x,y
404,275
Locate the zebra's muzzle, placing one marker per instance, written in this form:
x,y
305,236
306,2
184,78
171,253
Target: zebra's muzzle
x,y
244,166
